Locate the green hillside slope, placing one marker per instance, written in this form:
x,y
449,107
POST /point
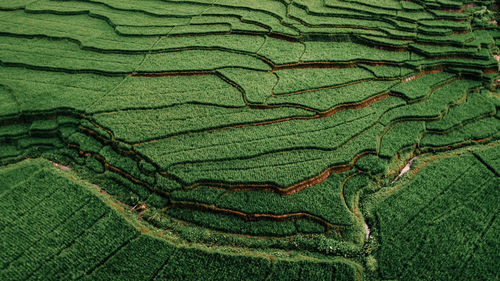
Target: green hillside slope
x,y
249,140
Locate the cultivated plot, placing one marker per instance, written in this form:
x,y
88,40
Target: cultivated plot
x,y
304,139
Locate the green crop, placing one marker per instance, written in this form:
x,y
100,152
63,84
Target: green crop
x,y
424,213
249,140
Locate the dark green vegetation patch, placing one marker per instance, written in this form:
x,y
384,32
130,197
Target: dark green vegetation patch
x,y
249,140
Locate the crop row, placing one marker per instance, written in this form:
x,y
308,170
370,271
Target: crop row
x,y
128,179
92,240
94,33
433,106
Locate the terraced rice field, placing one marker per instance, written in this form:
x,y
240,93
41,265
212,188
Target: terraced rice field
x,y
249,140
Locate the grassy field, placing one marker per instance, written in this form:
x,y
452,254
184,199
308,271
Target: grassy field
x,y
249,140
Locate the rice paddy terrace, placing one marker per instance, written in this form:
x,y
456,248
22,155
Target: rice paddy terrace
x,y
249,140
